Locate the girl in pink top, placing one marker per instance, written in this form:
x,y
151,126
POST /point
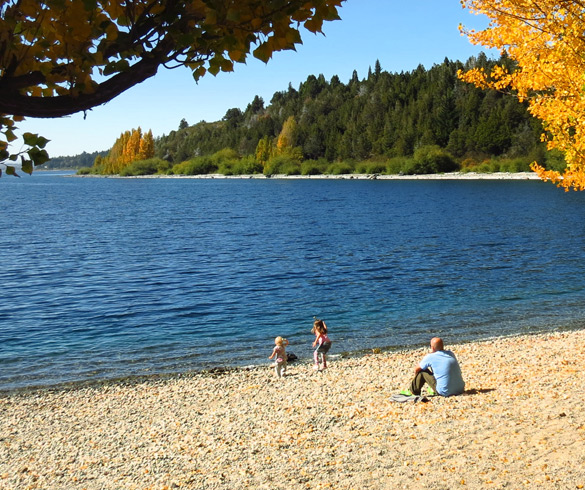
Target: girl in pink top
x,y
322,343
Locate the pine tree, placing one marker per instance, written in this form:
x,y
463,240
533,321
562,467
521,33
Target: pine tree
x,y
377,70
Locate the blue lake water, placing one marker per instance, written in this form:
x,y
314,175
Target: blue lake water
x,y
108,278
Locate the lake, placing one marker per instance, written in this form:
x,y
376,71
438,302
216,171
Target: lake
x,y
110,278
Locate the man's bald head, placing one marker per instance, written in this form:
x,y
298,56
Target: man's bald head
x,y
436,344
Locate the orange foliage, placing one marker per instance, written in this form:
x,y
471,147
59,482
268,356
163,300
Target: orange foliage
x,y
146,149
545,39
129,147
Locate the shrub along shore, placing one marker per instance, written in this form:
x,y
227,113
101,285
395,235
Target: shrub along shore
x,y
426,161
519,424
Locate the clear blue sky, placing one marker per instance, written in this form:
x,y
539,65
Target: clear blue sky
x,y
400,34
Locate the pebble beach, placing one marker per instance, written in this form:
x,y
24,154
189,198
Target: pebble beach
x,y
520,424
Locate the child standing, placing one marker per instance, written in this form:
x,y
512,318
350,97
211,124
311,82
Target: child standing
x,y
279,352
322,343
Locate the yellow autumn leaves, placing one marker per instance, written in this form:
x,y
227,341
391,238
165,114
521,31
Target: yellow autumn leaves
x,y
67,43
129,147
285,144
49,47
545,39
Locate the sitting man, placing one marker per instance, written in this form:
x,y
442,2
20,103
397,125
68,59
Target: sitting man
x,y
440,370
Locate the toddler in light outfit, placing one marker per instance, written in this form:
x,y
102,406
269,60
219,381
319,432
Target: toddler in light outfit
x,y
279,352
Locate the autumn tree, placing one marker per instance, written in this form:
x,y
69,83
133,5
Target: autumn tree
x,y
264,150
129,147
288,136
132,147
544,39
114,160
146,149
59,57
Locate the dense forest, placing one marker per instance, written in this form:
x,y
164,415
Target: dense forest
x,y
422,121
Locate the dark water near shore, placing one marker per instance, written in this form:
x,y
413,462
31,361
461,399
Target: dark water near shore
x,y
107,278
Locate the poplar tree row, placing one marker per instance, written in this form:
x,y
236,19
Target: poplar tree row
x,y
130,147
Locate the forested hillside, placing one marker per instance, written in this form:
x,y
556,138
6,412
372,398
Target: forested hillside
x,y
392,120
73,162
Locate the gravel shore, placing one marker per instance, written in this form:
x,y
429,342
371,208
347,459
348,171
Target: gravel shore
x,y
447,176
519,424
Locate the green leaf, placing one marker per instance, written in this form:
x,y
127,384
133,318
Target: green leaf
x,y
38,156
293,37
30,139
11,171
27,166
90,4
301,15
108,69
199,72
263,52
332,14
122,65
10,136
233,15
211,17
314,25
227,65
214,66
42,141
116,67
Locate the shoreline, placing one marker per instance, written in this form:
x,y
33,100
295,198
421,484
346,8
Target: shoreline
x,y
448,176
223,369
520,423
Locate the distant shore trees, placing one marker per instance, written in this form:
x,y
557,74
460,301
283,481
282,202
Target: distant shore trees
x,y
423,121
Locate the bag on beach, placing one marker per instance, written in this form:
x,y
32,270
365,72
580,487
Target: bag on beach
x,y
408,398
